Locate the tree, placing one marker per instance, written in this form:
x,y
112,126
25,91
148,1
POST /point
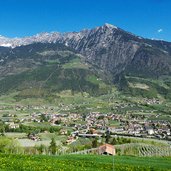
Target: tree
x,y
52,147
107,136
94,143
41,148
2,130
114,141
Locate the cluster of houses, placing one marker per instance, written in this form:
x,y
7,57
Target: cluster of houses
x,y
151,129
95,124
129,125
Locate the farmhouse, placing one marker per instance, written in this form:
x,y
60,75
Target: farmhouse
x,y
107,149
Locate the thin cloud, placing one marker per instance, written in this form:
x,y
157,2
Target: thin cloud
x,y
160,30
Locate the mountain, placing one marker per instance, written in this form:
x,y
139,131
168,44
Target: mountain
x,y
109,48
44,69
106,52
39,38
115,51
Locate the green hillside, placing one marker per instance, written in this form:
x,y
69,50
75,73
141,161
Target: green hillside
x,y
69,73
45,70
44,74
150,88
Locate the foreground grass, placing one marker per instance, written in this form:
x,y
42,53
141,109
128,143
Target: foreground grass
x,y
82,163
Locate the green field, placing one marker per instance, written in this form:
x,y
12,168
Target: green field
x,y
82,163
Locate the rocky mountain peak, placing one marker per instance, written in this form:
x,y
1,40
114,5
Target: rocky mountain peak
x,y
110,26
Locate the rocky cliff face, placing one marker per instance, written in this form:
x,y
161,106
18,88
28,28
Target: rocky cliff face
x,y
108,49
115,51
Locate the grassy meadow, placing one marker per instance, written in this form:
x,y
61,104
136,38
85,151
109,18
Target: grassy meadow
x,y
83,163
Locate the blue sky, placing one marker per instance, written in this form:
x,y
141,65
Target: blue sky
x,y
147,18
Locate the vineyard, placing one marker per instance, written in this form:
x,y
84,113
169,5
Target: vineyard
x,y
83,163
145,150
135,149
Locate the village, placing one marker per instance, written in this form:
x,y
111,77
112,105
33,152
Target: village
x,y
93,124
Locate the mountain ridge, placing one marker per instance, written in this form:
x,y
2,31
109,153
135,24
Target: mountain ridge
x,y
52,37
111,53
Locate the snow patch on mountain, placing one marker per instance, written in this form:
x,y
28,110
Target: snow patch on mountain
x,y
6,45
